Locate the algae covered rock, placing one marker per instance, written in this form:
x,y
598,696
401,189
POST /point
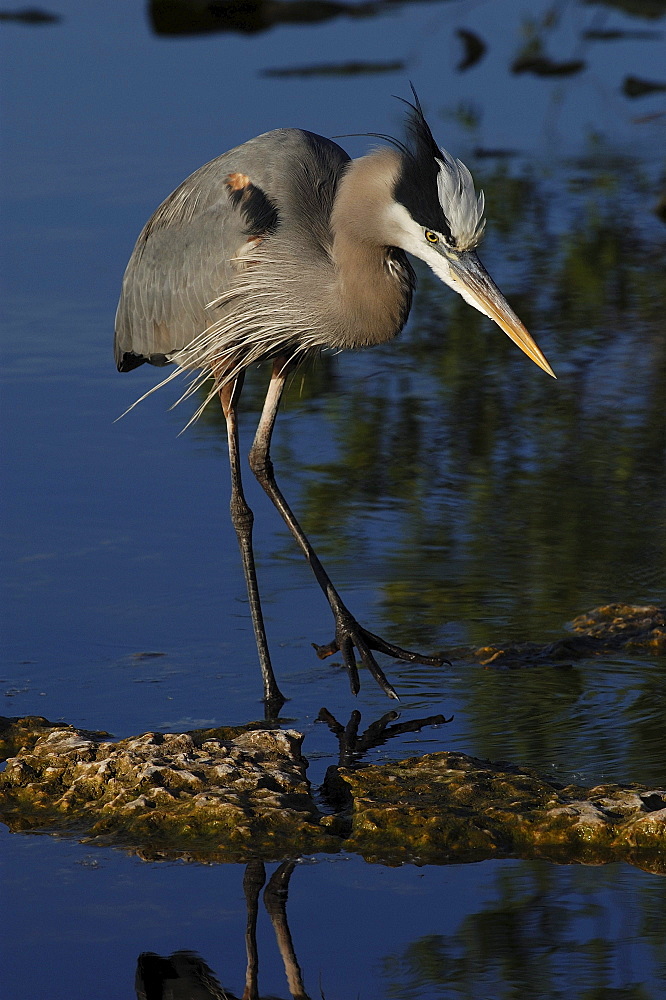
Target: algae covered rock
x,y
163,794
602,631
448,807
236,794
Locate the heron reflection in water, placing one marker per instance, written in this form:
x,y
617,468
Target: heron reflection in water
x,y
184,974
283,247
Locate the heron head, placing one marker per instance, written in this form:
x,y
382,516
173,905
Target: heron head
x,y
436,215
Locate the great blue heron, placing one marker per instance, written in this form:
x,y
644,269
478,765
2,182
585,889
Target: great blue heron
x,y
282,247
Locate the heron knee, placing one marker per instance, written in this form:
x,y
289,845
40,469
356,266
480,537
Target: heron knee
x,y
261,464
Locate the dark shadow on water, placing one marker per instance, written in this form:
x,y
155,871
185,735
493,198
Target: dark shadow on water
x,y
194,17
30,15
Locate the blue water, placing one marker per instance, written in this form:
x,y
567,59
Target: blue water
x,y
116,541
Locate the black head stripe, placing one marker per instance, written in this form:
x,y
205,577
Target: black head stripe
x,y
416,188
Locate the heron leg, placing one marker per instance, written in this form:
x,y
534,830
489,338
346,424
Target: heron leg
x,y
253,882
275,900
348,632
243,519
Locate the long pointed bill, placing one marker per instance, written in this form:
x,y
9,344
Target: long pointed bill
x,y
473,282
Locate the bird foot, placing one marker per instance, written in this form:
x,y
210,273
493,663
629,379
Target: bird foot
x,y
349,634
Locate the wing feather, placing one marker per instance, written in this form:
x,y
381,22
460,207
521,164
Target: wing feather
x,y
184,257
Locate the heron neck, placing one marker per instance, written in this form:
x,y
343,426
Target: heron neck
x,y
371,288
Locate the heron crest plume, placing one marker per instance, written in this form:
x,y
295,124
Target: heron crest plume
x,y
436,189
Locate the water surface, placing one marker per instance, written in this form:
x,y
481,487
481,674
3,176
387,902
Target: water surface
x,y
457,495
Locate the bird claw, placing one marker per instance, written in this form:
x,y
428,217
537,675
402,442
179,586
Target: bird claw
x,y
350,634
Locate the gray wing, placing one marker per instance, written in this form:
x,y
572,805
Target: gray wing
x,y
183,258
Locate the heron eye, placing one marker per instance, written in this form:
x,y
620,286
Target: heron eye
x,y
431,237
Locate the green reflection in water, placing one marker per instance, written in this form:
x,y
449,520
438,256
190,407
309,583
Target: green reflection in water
x,y
547,933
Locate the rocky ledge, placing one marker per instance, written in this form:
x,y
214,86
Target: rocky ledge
x,y
448,807
232,795
600,632
214,795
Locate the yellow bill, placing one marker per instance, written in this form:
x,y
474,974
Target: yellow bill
x,y
473,282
